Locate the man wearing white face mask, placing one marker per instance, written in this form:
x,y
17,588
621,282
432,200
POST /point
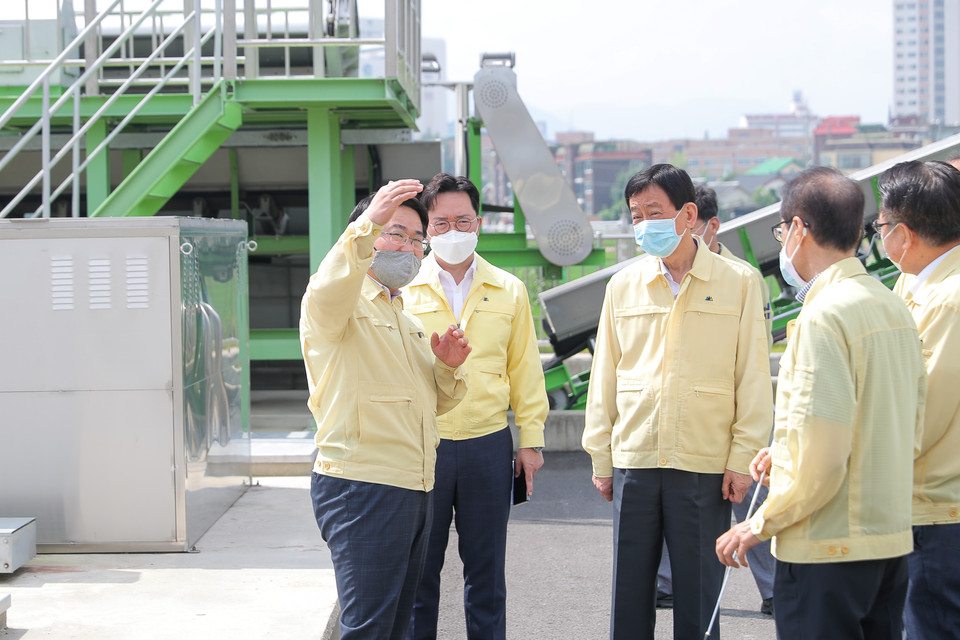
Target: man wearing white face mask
x,y
850,401
474,472
377,380
679,403
920,226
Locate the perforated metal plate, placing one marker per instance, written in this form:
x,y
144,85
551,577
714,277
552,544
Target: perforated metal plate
x,y
561,229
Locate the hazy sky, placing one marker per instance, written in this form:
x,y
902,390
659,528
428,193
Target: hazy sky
x,y
649,71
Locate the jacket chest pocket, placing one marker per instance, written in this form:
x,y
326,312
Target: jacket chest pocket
x,y
635,326
711,331
490,317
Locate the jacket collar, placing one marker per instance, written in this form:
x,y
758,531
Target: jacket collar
x,y
702,265
486,274
949,265
841,270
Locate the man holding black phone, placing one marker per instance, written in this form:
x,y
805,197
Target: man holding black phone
x,y
457,286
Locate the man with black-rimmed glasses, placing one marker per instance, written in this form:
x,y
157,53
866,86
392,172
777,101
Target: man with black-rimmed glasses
x,y
474,471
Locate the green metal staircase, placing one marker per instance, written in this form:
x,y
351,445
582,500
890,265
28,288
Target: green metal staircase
x,y
176,158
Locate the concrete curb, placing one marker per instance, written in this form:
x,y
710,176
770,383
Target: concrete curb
x,y
4,605
332,630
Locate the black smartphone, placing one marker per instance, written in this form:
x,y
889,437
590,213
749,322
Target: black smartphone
x,y
520,487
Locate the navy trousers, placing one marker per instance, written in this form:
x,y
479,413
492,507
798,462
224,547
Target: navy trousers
x,y
688,511
933,595
850,600
377,536
759,558
473,488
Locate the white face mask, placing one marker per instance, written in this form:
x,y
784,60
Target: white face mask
x,y
454,247
787,268
703,235
883,241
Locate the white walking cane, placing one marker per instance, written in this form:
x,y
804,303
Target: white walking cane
x,y
726,574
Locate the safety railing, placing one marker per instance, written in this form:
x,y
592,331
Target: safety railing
x,y
187,33
126,51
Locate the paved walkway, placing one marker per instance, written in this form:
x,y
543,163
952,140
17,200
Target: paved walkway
x,y
261,571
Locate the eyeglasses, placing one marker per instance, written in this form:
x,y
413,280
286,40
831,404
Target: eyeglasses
x,y
401,239
777,229
877,225
460,224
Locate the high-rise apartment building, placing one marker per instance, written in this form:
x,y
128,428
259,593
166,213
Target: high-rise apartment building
x,y
926,61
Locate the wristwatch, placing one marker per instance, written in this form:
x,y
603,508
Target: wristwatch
x,y
537,449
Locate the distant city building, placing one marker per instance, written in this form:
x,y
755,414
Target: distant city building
x,y
598,171
740,151
798,123
926,62
865,149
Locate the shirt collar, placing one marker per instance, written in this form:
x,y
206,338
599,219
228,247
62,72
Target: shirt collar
x,y
701,269
442,275
928,270
802,293
378,288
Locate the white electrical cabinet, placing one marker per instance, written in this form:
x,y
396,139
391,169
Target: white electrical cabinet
x,y
123,393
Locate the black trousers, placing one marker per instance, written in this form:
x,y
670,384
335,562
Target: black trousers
x,y
849,600
688,511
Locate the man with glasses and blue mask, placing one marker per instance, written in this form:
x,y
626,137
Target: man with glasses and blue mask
x,y
919,225
377,380
474,471
761,562
850,400
679,403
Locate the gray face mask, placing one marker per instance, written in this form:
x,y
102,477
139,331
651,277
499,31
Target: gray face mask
x,y
395,269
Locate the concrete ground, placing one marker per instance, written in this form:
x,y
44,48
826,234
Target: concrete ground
x,y
262,570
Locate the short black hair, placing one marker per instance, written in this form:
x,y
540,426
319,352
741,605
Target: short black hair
x,y
360,208
706,199
925,196
829,202
673,180
444,183
412,203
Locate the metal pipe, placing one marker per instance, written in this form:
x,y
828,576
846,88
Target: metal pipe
x,y
230,39
311,42
217,39
75,195
45,147
286,50
26,29
251,31
460,160
195,66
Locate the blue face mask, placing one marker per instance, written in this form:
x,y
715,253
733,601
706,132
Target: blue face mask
x,y
658,237
787,270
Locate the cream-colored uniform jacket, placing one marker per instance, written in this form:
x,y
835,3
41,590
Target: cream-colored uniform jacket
x,y
679,383
504,367
936,473
764,290
849,418
375,385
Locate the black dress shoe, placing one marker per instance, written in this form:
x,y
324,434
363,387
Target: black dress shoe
x,y
664,600
766,607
